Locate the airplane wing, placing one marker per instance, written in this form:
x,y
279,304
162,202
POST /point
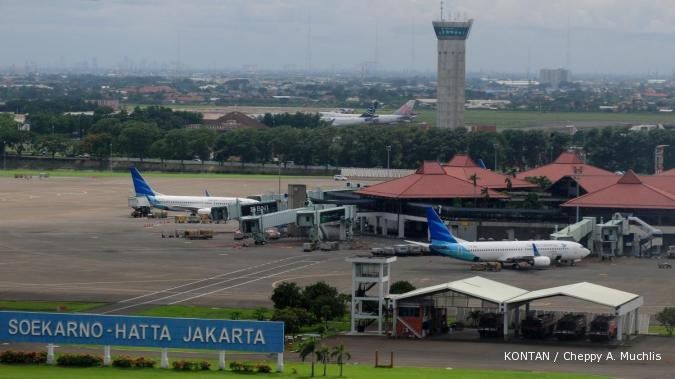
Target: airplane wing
x,y
423,245
535,259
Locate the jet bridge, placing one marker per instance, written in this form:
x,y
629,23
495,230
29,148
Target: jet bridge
x,y
316,220
615,237
576,232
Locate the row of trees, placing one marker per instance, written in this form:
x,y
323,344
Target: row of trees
x,y
365,146
160,133
299,307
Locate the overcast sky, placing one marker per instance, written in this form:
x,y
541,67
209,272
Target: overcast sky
x,y
605,36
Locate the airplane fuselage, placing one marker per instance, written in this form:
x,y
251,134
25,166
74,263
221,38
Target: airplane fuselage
x,y
180,203
504,251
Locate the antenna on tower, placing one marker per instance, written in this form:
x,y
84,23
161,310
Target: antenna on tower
x,y
412,46
568,47
442,10
309,44
376,52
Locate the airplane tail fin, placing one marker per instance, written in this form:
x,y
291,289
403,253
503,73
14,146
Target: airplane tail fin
x,y
206,193
437,229
370,112
141,187
535,250
406,109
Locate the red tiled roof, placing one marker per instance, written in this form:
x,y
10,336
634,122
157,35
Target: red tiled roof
x,y
670,172
592,183
567,164
429,182
463,167
628,192
462,160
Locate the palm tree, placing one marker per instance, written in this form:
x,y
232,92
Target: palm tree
x,y
309,348
323,356
474,316
341,355
474,179
486,195
509,184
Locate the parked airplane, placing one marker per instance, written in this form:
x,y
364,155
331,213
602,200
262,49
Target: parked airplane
x,y
403,114
345,119
193,204
517,254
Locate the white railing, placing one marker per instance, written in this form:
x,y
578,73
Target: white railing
x,y
359,172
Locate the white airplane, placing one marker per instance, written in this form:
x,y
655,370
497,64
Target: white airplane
x,y
194,204
346,119
403,114
518,254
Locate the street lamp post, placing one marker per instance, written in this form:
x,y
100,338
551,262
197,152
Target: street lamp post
x,y
110,160
496,146
388,147
278,176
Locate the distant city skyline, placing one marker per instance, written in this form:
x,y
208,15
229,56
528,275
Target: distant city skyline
x,y
515,36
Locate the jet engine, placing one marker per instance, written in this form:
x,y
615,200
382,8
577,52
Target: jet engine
x,y
204,211
541,261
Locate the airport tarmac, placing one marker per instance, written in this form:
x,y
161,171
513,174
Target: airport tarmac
x,y
73,239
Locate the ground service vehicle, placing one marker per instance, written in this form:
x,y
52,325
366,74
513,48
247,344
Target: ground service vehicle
x,y
490,325
571,326
539,326
603,328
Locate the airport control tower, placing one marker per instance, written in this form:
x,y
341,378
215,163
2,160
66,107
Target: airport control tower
x,y
452,37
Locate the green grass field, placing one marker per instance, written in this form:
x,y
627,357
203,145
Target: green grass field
x,y
522,119
202,312
519,119
658,329
47,306
228,313
150,174
291,371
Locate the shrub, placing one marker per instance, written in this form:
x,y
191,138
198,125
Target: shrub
x,y
123,362
20,357
142,362
183,365
241,367
204,365
78,360
263,368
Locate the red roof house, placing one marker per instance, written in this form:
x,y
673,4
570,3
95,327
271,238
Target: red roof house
x,y
429,182
463,167
629,192
567,164
670,172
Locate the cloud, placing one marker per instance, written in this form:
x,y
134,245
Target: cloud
x,y
344,33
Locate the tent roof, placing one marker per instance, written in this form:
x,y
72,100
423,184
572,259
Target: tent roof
x,y
594,293
476,286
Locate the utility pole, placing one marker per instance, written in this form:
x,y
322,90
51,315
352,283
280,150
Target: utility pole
x,y
496,146
388,147
110,160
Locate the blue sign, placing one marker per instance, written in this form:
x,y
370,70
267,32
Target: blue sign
x,y
85,329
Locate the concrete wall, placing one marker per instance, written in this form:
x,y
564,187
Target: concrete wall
x,y
451,81
121,164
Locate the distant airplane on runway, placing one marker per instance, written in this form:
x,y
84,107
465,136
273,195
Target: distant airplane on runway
x,y
403,114
517,254
193,204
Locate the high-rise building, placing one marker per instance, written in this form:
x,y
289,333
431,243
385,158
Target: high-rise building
x,y
554,77
451,37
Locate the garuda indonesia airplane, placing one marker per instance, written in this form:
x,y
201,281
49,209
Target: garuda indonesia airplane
x,y
517,254
193,204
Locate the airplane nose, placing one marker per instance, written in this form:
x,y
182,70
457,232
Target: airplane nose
x,y
585,252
